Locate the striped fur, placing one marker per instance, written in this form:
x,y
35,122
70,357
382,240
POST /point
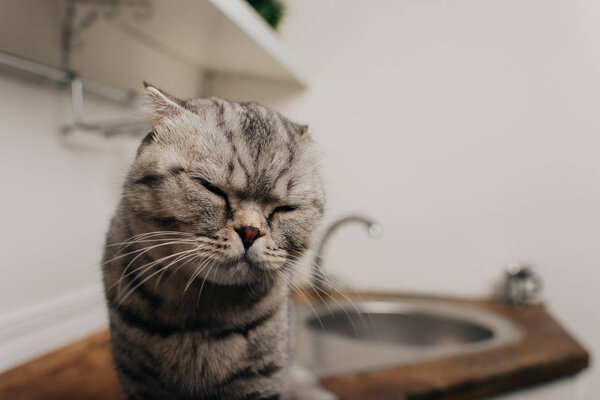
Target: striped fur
x,y
193,314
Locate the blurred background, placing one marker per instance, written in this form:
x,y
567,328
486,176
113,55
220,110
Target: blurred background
x,y
469,130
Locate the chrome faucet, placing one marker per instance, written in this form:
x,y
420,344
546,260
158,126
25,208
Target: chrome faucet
x,y
319,278
522,285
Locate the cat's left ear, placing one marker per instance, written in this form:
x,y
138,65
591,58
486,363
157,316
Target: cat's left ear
x,y
159,104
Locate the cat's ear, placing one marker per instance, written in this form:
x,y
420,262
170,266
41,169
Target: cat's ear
x,y
158,104
302,131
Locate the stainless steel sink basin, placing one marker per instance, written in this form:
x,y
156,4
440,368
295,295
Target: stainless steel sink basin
x,y
412,328
340,337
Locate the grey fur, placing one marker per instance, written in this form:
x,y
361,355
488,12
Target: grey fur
x,y
196,316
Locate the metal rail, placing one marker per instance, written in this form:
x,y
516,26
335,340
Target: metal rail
x,y
77,86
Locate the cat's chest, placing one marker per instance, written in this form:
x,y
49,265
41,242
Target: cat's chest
x,y
189,342
210,359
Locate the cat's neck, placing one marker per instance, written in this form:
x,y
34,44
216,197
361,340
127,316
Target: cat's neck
x,y
212,299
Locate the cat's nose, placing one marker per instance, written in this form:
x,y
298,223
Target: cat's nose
x,y
248,234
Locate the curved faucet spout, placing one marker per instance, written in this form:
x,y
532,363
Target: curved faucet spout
x,y
374,230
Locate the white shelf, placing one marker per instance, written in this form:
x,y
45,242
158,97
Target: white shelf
x,y
172,46
224,36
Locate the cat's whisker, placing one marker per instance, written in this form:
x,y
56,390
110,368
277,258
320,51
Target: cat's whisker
x,y
149,245
132,290
153,234
129,243
196,273
299,292
147,266
301,253
204,281
321,277
147,249
153,262
144,249
181,266
157,233
191,258
322,300
342,307
139,269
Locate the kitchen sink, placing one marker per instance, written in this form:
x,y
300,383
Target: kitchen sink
x,y
340,337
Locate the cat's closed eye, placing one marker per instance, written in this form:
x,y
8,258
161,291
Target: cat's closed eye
x,y
282,209
211,188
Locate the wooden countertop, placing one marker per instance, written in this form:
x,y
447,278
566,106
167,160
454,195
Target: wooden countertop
x,y
84,370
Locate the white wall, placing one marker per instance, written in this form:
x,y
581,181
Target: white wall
x,y
59,192
470,130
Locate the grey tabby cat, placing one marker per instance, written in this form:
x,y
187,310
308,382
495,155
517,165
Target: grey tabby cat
x,y
219,204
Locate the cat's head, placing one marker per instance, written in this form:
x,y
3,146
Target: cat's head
x,y
233,187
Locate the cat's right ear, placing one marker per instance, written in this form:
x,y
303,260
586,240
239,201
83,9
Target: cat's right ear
x,y
158,105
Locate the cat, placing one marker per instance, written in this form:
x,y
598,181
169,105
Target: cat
x,y
221,201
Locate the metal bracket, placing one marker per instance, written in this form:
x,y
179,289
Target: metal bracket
x,y
106,128
77,86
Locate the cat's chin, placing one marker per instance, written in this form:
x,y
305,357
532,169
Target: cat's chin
x,y
237,272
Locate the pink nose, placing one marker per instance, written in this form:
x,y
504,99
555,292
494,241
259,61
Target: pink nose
x,y
248,234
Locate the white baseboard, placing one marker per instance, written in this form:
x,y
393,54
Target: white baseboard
x,y
33,331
